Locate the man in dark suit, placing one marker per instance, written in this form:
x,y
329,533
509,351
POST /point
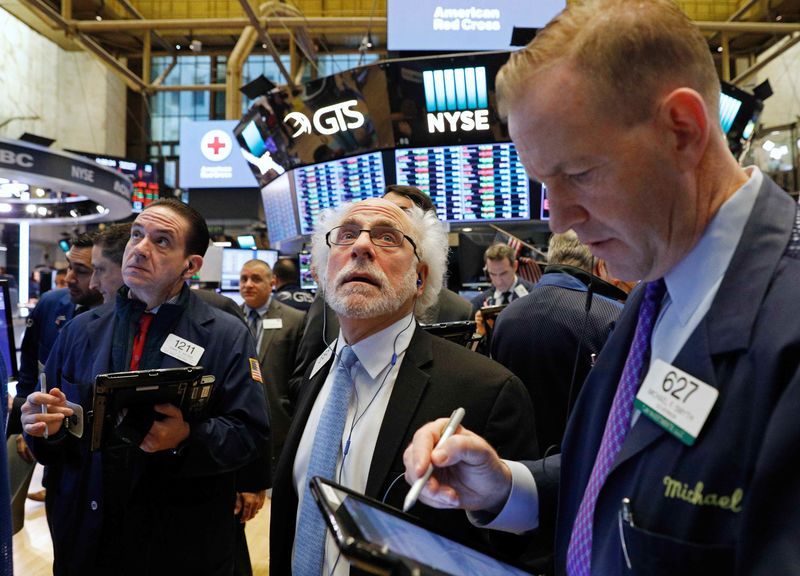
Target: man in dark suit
x,y
276,329
163,504
550,337
501,266
379,266
618,116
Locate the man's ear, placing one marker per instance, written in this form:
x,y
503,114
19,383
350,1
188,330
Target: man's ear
x,y
683,113
422,278
193,265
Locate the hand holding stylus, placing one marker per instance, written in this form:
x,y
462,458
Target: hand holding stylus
x,y
458,471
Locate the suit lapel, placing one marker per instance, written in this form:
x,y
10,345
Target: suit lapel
x,y
406,395
273,311
729,322
308,395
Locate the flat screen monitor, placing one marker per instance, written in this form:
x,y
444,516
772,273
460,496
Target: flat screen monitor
x,y
263,142
307,281
7,345
279,210
330,184
469,183
234,258
738,115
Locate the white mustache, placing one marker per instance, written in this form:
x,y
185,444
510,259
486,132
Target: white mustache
x,y
371,270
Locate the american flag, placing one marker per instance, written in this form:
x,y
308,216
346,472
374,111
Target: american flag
x,y
529,269
516,244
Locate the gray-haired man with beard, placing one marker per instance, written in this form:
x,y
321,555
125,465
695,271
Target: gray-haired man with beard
x,y
379,268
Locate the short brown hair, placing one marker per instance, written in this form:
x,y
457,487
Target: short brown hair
x,y
498,252
629,51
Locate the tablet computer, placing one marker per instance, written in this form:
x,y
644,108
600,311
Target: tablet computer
x,y
124,400
375,536
461,332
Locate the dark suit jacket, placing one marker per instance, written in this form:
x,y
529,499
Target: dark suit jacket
x,y
436,377
276,356
729,504
480,300
538,338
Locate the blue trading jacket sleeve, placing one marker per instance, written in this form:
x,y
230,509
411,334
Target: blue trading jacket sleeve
x,y
238,429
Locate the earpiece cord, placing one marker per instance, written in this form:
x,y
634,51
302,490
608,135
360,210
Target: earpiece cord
x,y
356,416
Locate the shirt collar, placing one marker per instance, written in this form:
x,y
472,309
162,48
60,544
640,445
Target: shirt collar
x,y
703,267
373,351
261,309
498,293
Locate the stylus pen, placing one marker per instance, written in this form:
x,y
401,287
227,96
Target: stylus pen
x,y
416,488
43,390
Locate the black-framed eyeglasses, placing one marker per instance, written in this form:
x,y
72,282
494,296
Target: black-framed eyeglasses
x,y
383,236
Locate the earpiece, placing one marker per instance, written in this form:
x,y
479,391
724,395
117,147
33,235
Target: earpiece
x,y
419,281
185,270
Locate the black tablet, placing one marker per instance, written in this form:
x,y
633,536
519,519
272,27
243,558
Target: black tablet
x,y
461,332
376,536
124,400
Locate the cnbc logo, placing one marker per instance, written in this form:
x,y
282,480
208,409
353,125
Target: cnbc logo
x,y
456,99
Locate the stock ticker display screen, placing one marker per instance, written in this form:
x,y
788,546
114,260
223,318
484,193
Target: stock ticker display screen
x,y
468,183
329,184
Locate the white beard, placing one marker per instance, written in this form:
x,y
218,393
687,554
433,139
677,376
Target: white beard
x,y
354,301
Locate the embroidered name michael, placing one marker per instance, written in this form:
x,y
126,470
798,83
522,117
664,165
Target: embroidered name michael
x,y
695,496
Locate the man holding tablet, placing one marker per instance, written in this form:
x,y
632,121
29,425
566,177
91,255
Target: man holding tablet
x,y
166,505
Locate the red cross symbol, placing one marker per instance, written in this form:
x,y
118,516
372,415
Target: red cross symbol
x,y
216,145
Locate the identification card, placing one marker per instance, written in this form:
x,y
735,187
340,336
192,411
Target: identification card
x,y
183,350
272,323
520,290
323,359
676,400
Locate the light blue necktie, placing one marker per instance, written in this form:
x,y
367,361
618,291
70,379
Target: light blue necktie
x,y
579,553
309,542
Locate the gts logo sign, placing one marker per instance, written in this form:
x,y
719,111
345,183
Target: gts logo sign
x,y
327,120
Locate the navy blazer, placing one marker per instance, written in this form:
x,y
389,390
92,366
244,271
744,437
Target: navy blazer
x,y
435,378
193,492
729,504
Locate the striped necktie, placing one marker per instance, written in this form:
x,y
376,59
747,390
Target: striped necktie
x,y
579,553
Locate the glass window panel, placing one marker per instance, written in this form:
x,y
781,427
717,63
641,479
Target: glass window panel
x,y
171,128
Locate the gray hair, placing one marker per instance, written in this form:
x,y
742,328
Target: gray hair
x,y
565,248
428,233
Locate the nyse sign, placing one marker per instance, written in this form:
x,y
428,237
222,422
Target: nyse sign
x,y
465,120
328,120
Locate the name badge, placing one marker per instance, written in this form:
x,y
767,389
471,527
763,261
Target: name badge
x,y
520,290
182,349
323,359
676,400
272,323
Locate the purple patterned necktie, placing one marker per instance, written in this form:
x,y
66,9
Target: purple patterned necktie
x,y
579,553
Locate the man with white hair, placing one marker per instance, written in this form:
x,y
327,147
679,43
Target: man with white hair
x,y
379,268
